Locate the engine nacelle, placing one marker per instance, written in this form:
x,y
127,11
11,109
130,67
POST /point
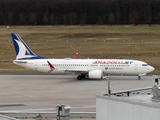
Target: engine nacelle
x,y
95,74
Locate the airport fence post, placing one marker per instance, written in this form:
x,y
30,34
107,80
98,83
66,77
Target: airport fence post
x,y
109,88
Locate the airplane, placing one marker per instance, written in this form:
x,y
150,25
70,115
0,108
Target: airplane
x,y
84,68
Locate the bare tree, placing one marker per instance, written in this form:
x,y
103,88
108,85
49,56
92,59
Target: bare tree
x,y
52,20
45,20
118,17
57,20
100,20
83,18
111,18
79,12
70,19
32,18
134,17
149,20
74,16
21,19
64,19
10,18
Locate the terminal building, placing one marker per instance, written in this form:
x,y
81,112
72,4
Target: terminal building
x,y
139,104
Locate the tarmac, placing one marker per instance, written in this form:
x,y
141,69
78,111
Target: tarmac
x,y
42,93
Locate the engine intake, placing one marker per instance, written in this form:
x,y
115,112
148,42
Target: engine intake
x,y
95,74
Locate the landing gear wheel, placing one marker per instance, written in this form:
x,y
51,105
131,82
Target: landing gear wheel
x,y
139,78
79,77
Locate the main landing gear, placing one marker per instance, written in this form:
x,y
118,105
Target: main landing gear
x,y
80,77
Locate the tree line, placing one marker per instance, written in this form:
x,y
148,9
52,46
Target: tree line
x,y
79,12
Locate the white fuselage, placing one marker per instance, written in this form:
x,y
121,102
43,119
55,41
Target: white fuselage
x,y
85,68
108,66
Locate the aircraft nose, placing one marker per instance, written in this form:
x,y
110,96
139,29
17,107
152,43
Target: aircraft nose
x,y
151,68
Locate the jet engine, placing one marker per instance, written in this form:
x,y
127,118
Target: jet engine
x,y
95,74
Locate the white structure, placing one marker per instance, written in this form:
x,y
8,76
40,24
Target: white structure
x,y
3,117
136,107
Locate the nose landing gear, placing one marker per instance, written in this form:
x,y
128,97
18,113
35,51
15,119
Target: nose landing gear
x,y
139,78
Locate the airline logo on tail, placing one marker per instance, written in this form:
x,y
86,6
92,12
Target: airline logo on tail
x,y
23,52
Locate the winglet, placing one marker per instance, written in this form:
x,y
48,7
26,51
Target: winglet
x,y
51,66
75,57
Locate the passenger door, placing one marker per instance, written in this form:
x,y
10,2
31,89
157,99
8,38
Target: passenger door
x,y
136,66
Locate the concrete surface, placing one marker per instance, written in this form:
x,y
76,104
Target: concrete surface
x,y
42,93
138,106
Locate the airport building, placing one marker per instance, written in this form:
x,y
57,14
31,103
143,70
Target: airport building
x,y
131,105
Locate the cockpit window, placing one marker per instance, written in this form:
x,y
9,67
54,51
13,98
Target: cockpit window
x,y
144,64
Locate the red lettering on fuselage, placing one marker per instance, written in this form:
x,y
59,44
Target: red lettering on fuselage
x,y
95,62
108,62
120,62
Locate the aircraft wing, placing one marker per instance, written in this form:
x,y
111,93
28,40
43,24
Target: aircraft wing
x,y
74,70
67,70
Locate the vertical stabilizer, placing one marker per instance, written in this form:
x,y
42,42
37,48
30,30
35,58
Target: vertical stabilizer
x,y
23,52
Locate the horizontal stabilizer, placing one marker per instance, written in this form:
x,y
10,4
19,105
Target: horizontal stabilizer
x,y
18,61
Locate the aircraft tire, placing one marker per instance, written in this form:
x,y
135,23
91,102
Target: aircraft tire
x,y
139,78
79,77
